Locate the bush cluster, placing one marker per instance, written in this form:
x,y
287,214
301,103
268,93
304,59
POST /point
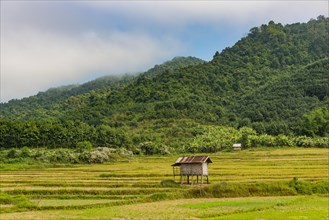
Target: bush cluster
x,y
215,139
63,155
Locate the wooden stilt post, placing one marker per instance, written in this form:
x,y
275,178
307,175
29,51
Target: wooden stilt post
x,y
173,171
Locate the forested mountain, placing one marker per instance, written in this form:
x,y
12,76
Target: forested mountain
x,y
35,106
275,81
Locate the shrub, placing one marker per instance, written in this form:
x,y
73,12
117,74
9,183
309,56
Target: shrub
x,y
25,152
303,141
98,156
62,156
84,146
124,152
245,133
283,140
12,153
214,139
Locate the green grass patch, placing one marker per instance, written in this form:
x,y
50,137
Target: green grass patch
x,y
233,204
294,208
251,208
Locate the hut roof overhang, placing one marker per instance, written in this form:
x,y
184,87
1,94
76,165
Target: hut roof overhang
x,y
192,160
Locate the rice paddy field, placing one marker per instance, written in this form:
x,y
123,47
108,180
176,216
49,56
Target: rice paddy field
x,y
132,189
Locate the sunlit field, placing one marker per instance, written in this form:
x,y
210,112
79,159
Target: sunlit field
x,y
132,189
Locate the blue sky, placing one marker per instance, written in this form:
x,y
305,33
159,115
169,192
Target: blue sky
x,y
52,43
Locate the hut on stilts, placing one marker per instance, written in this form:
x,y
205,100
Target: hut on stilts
x,y
191,167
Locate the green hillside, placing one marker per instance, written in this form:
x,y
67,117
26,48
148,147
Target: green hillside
x,y
45,103
273,81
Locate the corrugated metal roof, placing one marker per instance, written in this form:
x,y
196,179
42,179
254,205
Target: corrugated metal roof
x,y
192,159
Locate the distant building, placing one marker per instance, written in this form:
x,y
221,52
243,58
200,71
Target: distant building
x,y
186,167
237,146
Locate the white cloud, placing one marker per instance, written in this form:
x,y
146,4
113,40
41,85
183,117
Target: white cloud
x,y
34,60
52,43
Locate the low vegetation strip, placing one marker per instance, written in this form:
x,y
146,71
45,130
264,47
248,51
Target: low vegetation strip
x,y
249,208
127,191
293,187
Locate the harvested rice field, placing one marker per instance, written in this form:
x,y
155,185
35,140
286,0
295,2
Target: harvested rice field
x,y
132,189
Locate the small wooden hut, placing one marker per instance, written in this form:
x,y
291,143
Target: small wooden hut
x,y
237,146
186,167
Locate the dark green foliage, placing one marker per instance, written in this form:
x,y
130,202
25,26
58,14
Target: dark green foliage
x,y
173,65
12,153
25,152
316,122
84,146
273,83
